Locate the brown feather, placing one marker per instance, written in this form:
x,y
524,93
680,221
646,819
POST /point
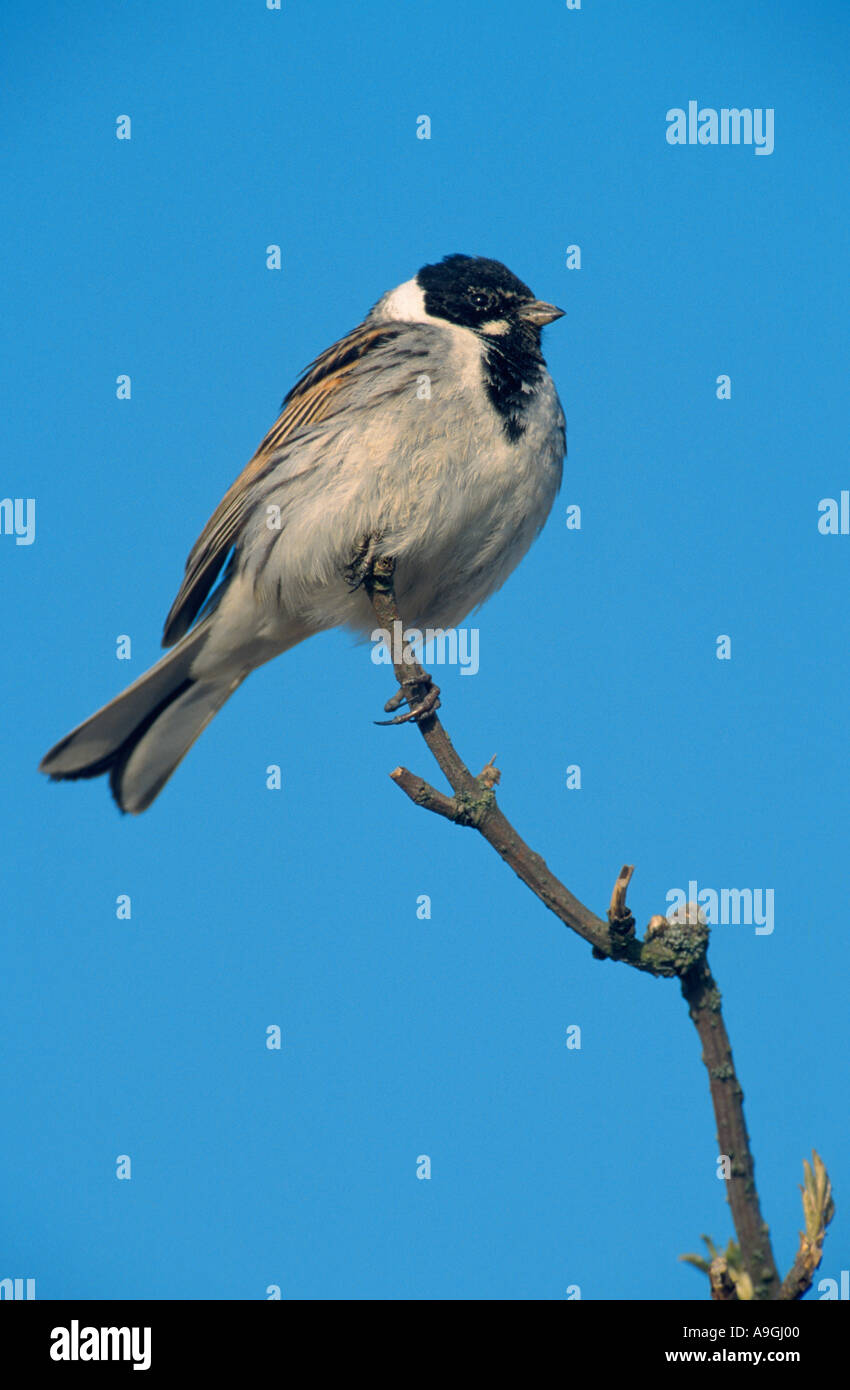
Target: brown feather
x,y
309,401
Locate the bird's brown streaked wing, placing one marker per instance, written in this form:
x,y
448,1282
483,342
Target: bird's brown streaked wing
x,y
310,400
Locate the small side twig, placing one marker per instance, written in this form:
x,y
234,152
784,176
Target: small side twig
x,y
620,919
721,1281
818,1210
617,911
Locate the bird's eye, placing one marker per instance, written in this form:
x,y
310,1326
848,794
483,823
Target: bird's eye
x,y
480,300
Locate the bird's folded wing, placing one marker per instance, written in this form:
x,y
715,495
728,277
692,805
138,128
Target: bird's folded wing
x,y
309,401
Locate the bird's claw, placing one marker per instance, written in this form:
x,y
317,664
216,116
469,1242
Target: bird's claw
x,y
358,572
422,709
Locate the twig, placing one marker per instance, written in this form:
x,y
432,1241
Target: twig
x,y
620,919
722,1284
818,1209
671,949
618,912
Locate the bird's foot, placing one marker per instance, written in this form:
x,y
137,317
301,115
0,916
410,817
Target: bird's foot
x,y
426,700
359,571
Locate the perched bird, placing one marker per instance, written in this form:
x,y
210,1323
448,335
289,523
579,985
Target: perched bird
x,y
431,433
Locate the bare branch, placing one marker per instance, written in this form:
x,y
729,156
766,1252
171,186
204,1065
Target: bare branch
x,y
423,794
703,998
672,948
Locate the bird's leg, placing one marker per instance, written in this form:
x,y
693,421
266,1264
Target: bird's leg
x,y
375,573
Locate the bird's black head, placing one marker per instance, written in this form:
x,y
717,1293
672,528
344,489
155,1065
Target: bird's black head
x,y
482,295
474,292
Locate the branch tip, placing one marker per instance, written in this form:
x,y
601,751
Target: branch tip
x,y
818,1211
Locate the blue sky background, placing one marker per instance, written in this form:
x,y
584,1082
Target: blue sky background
x,y
297,907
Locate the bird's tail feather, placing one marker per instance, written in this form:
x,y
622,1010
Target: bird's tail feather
x,y
140,737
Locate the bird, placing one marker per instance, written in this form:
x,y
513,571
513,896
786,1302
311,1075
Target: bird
x,y
431,433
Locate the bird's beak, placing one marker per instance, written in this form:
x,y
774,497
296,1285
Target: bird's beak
x,y
538,312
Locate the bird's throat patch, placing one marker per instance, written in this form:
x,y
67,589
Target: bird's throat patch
x,y
512,370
